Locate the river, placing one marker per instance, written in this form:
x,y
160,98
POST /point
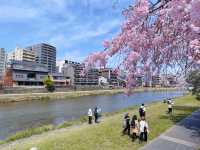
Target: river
x,y
22,115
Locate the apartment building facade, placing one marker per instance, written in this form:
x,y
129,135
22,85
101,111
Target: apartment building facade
x,y
45,54
21,54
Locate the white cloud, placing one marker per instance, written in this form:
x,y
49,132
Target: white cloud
x,y
84,33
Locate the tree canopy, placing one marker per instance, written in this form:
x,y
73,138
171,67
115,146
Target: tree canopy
x,y
154,36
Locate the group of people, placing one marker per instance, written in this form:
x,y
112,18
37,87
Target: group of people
x,y
136,127
96,113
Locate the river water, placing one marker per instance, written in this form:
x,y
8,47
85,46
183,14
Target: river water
x,y
22,115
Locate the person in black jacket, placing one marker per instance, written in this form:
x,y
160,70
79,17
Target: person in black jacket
x,y
127,125
95,115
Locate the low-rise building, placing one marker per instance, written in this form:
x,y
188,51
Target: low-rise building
x,y
25,73
156,81
110,75
73,70
60,80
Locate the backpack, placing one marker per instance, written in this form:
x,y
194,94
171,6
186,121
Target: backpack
x,y
141,111
133,123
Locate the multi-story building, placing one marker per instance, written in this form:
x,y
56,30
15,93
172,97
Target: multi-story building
x,y
3,59
73,70
110,75
156,81
45,54
22,54
25,73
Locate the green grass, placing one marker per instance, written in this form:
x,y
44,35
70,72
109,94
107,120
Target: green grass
x,y
107,135
29,132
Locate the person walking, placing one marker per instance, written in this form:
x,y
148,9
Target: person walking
x,y
126,124
142,111
144,130
90,116
134,127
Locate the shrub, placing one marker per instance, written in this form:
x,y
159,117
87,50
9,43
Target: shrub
x,y
49,84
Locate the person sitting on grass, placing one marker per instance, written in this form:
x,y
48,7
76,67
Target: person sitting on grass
x,y
126,124
134,127
90,116
144,130
142,111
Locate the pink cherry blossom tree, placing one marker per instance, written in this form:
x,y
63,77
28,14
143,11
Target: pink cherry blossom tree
x,y
154,36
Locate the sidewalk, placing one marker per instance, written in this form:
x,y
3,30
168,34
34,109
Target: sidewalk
x,y
183,136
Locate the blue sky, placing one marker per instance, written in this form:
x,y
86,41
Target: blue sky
x,y
75,27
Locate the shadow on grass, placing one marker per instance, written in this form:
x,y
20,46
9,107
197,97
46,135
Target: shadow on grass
x,y
180,117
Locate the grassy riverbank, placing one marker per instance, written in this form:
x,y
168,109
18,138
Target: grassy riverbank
x,y
6,98
107,135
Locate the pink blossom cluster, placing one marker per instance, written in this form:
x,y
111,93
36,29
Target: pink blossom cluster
x,y
154,36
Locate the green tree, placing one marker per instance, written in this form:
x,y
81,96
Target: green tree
x,y
193,78
49,84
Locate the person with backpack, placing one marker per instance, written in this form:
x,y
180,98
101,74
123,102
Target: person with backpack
x,y
126,124
170,103
142,111
144,130
90,116
134,127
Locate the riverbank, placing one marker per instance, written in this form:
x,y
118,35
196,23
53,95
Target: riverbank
x,y
7,98
107,135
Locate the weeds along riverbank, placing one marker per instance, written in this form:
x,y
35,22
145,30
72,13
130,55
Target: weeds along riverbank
x,y
78,134
8,98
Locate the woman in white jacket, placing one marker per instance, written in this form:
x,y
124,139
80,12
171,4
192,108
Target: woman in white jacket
x,y
90,116
144,129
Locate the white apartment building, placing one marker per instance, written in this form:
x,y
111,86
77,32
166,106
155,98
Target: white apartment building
x,y
22,54
3,59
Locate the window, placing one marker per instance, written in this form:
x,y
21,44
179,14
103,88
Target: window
x,y
31,75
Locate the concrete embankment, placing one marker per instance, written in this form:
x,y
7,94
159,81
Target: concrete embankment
x,y
7,98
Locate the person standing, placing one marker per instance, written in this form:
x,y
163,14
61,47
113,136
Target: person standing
x,y
90,116
142,111
96,115
126,124
144,130
170,103
99,114
134,127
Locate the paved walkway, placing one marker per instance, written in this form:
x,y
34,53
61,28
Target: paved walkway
x,y
183,136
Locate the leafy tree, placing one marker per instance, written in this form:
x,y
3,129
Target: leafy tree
x,y
49,84
194,79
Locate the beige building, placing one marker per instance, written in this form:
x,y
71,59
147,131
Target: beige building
x,y
3,59
22,54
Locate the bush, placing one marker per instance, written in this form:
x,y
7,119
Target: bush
x,y
49,84
194,79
